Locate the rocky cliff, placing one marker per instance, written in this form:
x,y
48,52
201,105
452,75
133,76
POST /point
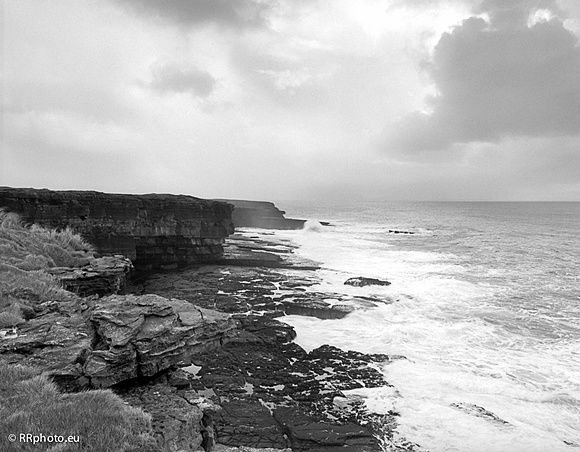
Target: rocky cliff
x,y
261,214
154,230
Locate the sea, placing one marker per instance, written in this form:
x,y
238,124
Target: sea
x,y
484,303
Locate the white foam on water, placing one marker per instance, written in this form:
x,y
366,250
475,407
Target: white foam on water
x,y
457,363
458,348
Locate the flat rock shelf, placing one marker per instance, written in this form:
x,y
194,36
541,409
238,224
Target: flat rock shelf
x,y
260,389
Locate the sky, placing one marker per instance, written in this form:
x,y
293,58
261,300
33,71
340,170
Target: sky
x,y
325,100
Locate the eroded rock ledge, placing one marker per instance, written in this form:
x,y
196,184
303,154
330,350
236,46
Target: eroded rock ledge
x,y
153,230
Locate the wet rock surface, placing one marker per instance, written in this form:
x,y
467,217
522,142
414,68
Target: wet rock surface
x,y
241,287
259,290
361,281
478,411
268,392
257,251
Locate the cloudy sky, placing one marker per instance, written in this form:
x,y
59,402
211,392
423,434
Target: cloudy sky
x,y
293,99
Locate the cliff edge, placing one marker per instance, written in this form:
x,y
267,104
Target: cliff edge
x,y
153,230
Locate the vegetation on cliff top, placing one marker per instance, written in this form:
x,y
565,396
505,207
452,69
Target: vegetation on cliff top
x,y
29,401
26,252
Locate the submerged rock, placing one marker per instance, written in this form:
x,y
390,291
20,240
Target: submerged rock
x,y
361,281
476,410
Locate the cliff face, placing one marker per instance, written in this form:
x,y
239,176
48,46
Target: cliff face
x,y
261,214
154,231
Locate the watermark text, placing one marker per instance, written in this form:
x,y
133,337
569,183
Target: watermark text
x,y
41,438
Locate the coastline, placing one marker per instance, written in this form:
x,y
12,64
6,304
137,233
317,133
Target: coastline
x,y
262,374
253,387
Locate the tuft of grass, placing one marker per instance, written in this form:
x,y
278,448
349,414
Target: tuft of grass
x,y
37,248
10,319
31,403
26,252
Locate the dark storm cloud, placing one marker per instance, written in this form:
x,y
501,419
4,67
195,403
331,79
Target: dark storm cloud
x,y
498,79
172,78
228,13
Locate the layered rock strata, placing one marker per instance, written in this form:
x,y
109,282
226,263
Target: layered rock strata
x,y
139,336
262,391
101,276
261,214
88,343
154,230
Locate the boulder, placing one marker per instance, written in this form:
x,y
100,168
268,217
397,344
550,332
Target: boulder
x,y
102,276
139,336
478,411
361,281
306,433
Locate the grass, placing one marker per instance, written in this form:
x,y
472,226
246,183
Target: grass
x,y
26,252
38,248
99,420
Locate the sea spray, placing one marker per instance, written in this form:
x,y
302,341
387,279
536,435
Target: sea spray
x,y
484,304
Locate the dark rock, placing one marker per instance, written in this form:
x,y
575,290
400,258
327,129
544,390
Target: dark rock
x,y
260,214
177,424
270,330
361,281
57,340
243,423
257,252
397,231
255,290
308,433
179,379
102,276
262,374
476,410
316,308
154,230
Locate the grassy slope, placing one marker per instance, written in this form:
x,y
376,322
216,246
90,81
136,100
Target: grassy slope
x,y
25,254
29,401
